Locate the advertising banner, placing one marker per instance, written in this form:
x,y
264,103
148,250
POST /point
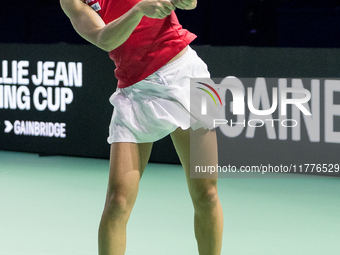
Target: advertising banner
x,y
54,101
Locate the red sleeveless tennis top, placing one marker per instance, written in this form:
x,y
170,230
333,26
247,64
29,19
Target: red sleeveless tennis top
x,y
152,44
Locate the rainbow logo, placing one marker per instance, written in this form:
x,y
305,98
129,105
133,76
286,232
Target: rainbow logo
x,y
204,102
213,90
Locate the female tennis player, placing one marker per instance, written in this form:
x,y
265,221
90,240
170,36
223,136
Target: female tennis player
x,y
154,64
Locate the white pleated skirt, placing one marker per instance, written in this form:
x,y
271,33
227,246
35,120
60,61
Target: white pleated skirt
x,y
156,106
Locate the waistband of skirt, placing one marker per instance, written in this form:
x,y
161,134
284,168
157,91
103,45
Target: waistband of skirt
x,y
186,56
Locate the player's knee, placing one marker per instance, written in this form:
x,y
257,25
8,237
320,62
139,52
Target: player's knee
x,y
205,199
118,205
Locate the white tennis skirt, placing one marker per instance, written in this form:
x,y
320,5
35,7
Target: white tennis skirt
x,y
156,106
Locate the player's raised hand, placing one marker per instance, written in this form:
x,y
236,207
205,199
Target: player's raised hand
x,y
185,4
157,9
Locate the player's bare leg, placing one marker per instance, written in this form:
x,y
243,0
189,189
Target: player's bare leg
x,y
203,191
127,164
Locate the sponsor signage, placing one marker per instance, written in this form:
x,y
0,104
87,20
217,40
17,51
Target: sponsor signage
x,y
54,99
282,106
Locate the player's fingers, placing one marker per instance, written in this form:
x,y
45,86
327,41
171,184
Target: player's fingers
x,y
169,5
182,5
166,9
161,13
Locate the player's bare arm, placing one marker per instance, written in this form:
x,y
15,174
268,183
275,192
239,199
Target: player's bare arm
x,y
108,37
185,4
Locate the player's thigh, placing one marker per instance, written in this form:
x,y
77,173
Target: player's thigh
x,y
198,148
